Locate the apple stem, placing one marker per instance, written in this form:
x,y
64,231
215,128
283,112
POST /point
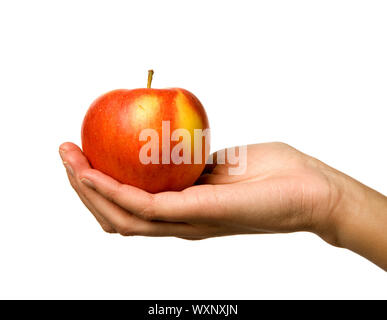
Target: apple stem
x,y
150,76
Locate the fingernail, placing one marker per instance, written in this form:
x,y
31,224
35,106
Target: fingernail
x,y
62,152
68,168
88,183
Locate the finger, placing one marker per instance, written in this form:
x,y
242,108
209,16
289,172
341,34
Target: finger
x,y
215,171
129,225
107,227
78,162
120,220
192,238
73,158
130,198
71,154
188,205
168,229
211,163
208,169
219,176
68,146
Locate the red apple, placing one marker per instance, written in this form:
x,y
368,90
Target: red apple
x,y
111,133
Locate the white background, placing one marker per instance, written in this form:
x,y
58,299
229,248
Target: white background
x,y
309,73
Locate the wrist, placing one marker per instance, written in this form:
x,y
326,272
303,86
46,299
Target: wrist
x,y
358,221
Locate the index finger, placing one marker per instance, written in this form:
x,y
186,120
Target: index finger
x,y
194,203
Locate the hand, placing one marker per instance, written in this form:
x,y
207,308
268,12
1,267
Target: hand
x,y
283,190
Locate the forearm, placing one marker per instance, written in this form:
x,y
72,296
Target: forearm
x,y
361,221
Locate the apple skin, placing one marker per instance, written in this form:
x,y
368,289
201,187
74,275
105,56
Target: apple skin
x,y
111,128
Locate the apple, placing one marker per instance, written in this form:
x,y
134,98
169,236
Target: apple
x,y
115,134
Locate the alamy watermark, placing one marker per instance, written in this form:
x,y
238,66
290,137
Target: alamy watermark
x,y
181,153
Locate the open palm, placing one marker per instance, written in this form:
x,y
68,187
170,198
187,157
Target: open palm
x,y
282,190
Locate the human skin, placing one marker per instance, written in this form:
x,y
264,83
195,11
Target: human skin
x,y
283,190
